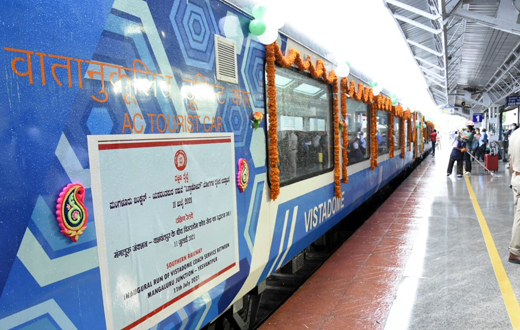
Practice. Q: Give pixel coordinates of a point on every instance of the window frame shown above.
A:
(330, 132)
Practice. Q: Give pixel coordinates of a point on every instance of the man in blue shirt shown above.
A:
(481, 151)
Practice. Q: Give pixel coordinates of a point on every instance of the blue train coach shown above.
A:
(162, 158)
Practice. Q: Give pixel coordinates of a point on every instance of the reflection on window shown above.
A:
(397, 133)
(308, 89)
(305, 144)
(382, 137)
(406, 130)
(281, 81)
(358, 131)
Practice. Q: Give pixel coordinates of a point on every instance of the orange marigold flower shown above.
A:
(258, 115)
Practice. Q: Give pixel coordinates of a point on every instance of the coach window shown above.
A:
(397, 133)
(382, 132)
(358, 136)
(305, 135)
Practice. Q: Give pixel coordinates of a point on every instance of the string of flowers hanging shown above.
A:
(423, 134)
(273, 52)
(414, 134)
(335, 112)
(391, 130)
(373, 139)
(274, 172)
(344, 91)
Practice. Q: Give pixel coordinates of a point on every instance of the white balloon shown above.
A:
(377, 90)
(270, 35)
(343, 69)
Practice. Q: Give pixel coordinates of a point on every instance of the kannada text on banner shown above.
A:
(169, 230)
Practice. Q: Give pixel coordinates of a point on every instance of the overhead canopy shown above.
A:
(467, 50)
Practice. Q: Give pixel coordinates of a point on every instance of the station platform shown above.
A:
(433, 256)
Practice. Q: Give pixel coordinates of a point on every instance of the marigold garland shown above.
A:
(344, 155)
(364, 94)
(352, 89)
(414, 135)
(274, 173)
(423, 134)
(273, 52)
(373, 139)
(391, 131)
(359, 94)
(335, 111)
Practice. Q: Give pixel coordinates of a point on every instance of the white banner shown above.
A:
(165, 219)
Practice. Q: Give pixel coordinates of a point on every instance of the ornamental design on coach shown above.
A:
(243, 174)
(71, 212)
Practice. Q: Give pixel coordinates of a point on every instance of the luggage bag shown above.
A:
(491, 162)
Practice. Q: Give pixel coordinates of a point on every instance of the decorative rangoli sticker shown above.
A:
(242, 175)
(71, 211)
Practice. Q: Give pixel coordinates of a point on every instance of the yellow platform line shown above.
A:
(513, 309)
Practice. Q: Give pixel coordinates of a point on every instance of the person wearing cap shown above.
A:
(457, 154)
(514, 167)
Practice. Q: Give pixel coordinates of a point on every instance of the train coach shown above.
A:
(160, 160)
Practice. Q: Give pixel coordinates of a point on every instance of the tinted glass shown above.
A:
(382, 132)
(358, 129)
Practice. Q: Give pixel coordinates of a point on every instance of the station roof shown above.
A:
(467, 50)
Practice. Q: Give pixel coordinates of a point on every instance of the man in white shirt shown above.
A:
(514, 166)
(293, 148)
(363, 143)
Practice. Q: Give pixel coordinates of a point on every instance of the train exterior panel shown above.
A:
(122, 97)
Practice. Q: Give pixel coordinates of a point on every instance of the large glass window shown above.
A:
(382, 132)
(305, 136)
(358, 131)
(397, 133)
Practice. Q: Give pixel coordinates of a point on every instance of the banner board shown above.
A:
(166, 221)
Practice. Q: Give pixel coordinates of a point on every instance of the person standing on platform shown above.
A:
(457, 154)
(469, 142)
(433, 137)
(475, 144)
(514, 166)
(482, 145)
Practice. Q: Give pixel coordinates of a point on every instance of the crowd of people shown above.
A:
(468, 144)
(471, 143)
